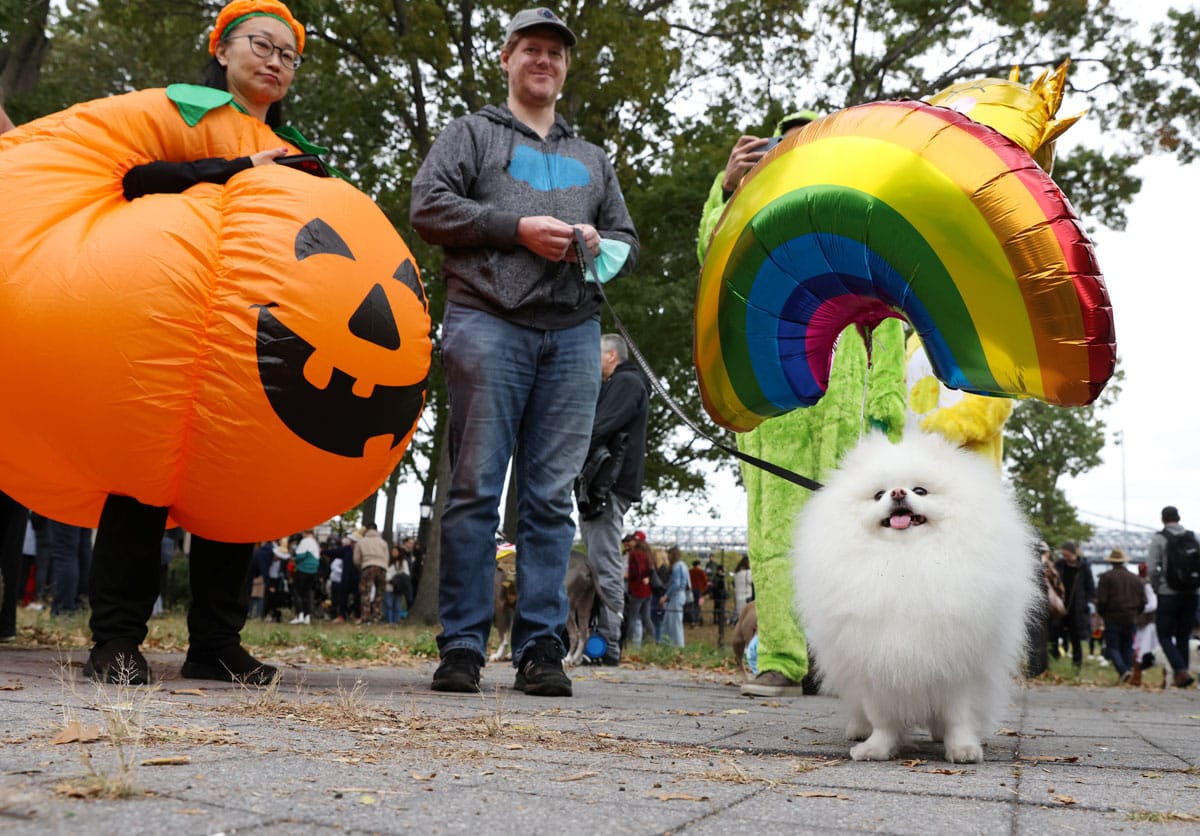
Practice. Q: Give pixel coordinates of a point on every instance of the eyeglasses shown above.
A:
(262, 47)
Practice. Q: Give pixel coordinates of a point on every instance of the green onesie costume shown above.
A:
(808, 441)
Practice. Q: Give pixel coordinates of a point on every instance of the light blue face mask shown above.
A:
(611, 259)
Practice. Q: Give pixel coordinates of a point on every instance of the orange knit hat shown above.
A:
(237, 11)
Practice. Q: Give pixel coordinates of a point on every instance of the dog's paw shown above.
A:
(964, 750)
(877, 747)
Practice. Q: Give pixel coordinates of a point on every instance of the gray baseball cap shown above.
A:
(541, 16)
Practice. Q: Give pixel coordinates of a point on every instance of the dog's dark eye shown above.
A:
(919, 491)
(878, 496)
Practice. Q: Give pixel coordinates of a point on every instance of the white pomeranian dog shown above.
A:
(914, 578)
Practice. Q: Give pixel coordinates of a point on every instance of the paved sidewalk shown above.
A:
(372, 750)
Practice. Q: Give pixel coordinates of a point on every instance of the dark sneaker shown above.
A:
(607, 660)
(117, 662)
(540, 673)
(232, 664)
(458, 672)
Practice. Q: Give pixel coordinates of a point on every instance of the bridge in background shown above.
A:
(702, 539)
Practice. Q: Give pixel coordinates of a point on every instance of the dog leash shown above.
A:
(589, 265)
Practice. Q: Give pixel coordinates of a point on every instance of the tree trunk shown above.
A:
(369, 507)
(21, 60)
(389, 512)
(425, 607)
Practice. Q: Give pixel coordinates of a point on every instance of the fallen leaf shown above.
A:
(736, 711)
(76, 733)
(942, 771)
(17, 687)
(1050, 758)
(1064, 799)
(838, 796)
(169, 760)
(1007, 733)
(598, 734)
(192, 811)
(578, 776)
(366, 799)
(912, 762)
(678, 796)
(1151, 775)
(519, 746)
(418, 777)
(190, 692)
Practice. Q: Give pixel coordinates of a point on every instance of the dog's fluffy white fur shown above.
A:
(914, 578)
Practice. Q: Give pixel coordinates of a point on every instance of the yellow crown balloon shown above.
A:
(1023, 113)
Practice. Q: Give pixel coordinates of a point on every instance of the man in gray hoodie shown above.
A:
(503, 191)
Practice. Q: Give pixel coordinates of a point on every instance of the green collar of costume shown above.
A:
(195, 101)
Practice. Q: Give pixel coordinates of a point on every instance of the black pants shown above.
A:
(13, 516)
(126, 576)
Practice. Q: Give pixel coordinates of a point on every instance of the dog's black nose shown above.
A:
(899, 493)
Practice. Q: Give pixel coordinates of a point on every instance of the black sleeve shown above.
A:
(172, 178)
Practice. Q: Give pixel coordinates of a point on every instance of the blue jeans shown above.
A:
(510, 385)
(71, 557)
(672, 629)
(1174, 620)
(1118, 642)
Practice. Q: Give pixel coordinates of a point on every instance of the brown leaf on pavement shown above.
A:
(168, 760)
(77, 733)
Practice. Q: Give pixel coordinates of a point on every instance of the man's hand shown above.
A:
(548, 237)
(591, 239)
(747, 151)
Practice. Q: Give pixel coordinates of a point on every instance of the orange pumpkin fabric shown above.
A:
(252, 356)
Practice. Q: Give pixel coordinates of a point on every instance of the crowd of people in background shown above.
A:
(355, 577)
(1131, 619)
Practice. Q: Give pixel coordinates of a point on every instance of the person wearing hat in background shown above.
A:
(1076, 575)
(504, 192)
(808, 441)
(1120, 599)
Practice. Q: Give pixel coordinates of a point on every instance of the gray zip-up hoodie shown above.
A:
(484, 173)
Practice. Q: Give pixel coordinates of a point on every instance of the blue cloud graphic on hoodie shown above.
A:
(547, 172)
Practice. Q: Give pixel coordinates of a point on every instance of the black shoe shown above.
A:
(608, 660)
(458, 672)
(540, 673)
(233, 664)
(117, 662)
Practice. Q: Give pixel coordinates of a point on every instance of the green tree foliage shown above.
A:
(664, 85)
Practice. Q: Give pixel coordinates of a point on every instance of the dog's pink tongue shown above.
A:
(900, 520)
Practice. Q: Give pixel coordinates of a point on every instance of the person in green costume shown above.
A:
(808, 441)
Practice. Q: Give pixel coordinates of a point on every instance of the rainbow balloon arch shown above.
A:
(899, 209)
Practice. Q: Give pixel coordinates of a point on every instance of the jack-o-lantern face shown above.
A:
(251, 356)
(334, 418)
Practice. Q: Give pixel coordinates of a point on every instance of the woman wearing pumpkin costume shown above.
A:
(256, 47)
